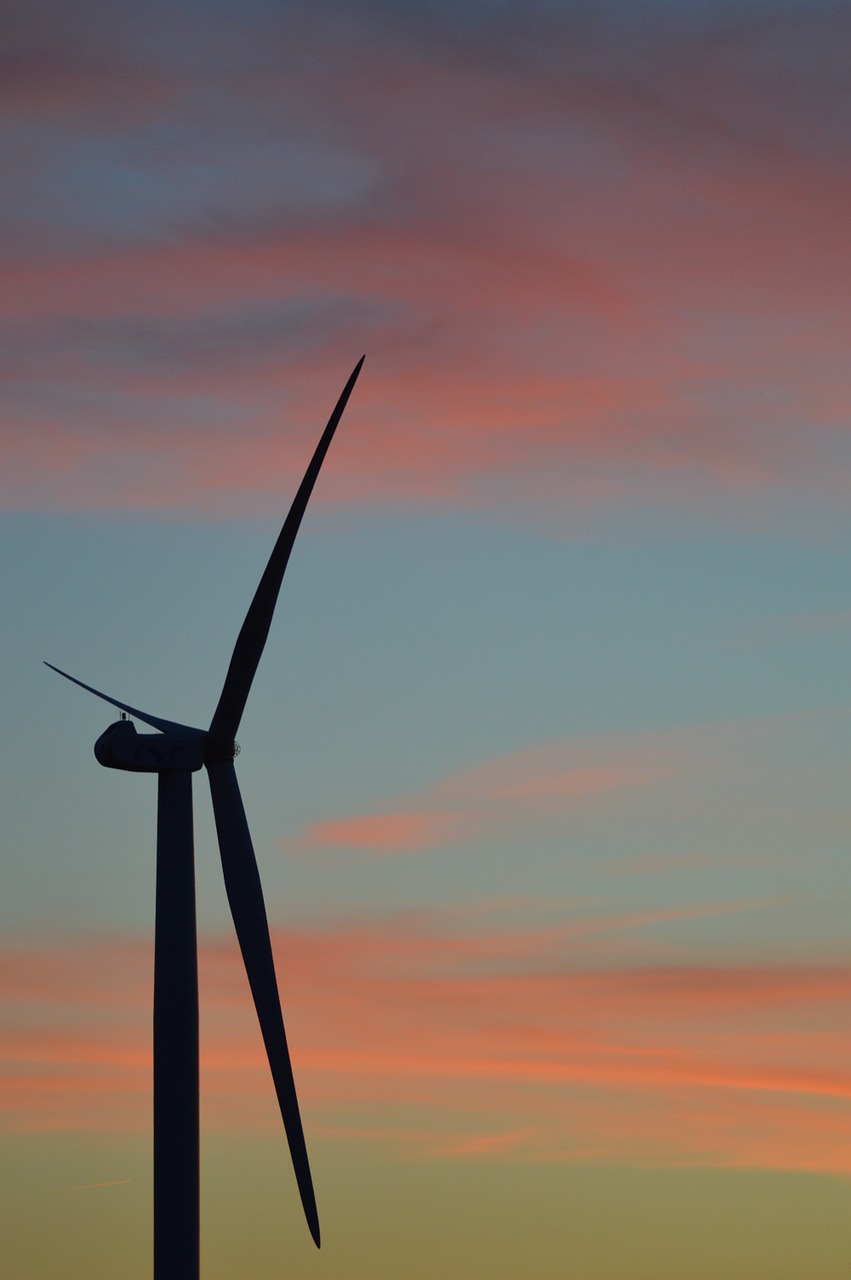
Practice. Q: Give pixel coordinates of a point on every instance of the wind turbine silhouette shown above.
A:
(174, 754)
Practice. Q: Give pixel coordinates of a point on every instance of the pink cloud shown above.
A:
(520, 787)
(551, 786)
(455, 407)
(728, 1065)
(575, 287)
(395, 832)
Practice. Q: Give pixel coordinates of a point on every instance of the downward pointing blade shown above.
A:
(156, 722)
(242, 883)
(255, 628)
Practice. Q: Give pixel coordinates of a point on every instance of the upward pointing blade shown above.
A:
(255, 628)
(242, 883)
(156, 722)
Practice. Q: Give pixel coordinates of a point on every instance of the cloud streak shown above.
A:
(521, 787)
(768, 783)
(410, 1017)
(580, 281)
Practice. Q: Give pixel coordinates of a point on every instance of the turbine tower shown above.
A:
(174, 754)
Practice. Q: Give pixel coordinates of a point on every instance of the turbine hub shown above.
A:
(216, 751)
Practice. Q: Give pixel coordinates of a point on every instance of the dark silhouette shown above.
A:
(175, 753)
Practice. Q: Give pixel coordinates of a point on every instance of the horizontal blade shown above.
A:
(255, 628)
(242, 883)
(165, 726)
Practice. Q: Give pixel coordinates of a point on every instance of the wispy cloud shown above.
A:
(580, 282)
(523, 786)
(398, 831)
(410, 1017)
(696, 769)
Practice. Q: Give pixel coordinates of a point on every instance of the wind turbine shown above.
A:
(174, 754)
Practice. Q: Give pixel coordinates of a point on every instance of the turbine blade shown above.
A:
(255, 628)
(165, 726)
(242, 883)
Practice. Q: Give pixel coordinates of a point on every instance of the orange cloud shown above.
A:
(535, 782)
(396, 832)
(459, 405)
(686, 768)
(577, 283)
(412, 1018)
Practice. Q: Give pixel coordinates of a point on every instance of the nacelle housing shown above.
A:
(121, 747)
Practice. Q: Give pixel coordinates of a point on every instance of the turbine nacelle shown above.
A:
(122, 747)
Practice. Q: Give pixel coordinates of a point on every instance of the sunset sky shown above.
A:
(547, 759)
